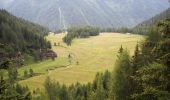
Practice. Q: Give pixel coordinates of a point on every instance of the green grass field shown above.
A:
(89, 56)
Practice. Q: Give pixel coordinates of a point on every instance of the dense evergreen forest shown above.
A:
(144, 76)
(80, 32)
(19, 38)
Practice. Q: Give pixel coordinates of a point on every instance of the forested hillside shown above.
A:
(19, 37)
(143, 27)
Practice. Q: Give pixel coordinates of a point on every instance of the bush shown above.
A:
(31, 72)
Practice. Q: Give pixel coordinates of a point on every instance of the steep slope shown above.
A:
(19, 36)
(143, 27)
(61, 14)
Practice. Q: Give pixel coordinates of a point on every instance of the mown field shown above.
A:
(88, 56)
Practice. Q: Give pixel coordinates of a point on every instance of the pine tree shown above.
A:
(107, 83)
(136, 59)
(120, 88)
(64, 94)
(121, 49)
(100, 93)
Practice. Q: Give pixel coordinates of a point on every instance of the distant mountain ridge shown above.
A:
(61, 14)
(144, 26)
(152, 21)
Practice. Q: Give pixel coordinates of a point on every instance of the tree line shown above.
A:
(80, 32)
(118, 30)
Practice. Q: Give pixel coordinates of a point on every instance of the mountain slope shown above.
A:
(144, 26)
(18, 35)
(61, 14)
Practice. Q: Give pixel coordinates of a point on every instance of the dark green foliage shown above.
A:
(101, 86)
(23, 91)
(80, 32)
(137, 59)
(55, 44)
(99, 90)
(121, 50)
(55, 91)
(153, 35)
(49, 87)
(31, 72)
(12, 74)
(158, 42)
(25, 73)
(118, 30)
(18, 35)
(10, 92)
(64, 94)
(10, 89)
(154, 81)
(4, 64)
(68, 39)
(163, 27)
(121, 81)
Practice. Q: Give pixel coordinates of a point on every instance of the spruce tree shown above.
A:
(100, 93)
(121, 49)
(120, 88)
(136, 59)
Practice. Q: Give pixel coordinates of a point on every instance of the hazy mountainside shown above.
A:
(61, 14)
(18, 35)
(144, 26)
(152, 21)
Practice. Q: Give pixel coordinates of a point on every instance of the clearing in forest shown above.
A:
(87, 57)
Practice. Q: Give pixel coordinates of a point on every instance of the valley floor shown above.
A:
(88, 56)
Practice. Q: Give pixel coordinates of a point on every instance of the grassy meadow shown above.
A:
(88, 56)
